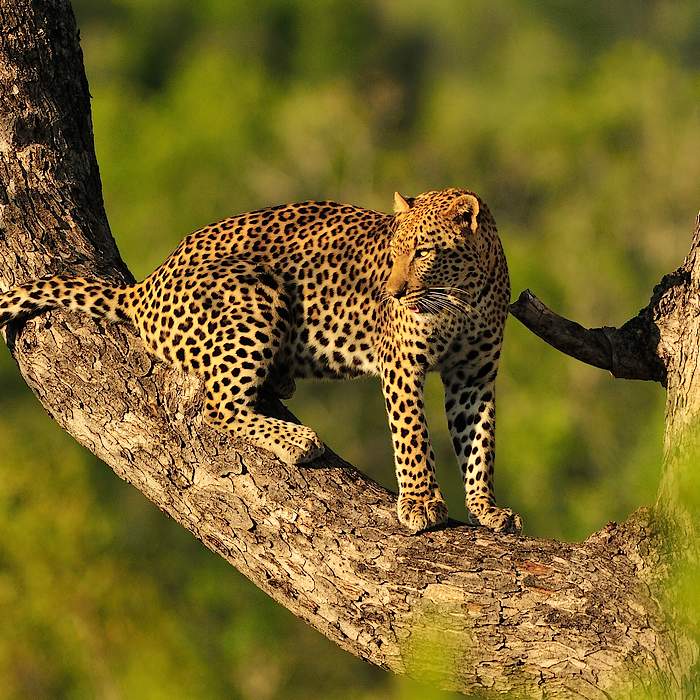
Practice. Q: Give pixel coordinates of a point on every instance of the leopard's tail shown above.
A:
(98, 299)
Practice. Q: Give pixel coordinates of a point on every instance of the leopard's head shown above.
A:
(440, 249)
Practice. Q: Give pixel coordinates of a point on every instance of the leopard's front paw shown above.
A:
(421, 513)
(498, 520)
(292, 443)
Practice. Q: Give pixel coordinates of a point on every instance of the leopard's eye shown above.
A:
(421, 253)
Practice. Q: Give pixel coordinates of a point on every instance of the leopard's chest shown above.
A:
(345, 336)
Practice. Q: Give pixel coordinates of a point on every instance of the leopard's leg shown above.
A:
(238, 322)
(470, 404)
(292, 443)
(279, 383)
(233, 383)
(420, 504)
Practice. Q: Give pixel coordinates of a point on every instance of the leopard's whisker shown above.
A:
(431, 306)
(455, 301)
(455, 293)
(438, 306)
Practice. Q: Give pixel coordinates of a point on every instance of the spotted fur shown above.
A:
(325, 290)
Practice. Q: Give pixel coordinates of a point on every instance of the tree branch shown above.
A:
(473, 610)
(628, 352)
(642, 348)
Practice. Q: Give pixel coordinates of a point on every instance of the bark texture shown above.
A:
(474, 611)
(675, 308)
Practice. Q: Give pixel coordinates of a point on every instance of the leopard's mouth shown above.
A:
(415, 304)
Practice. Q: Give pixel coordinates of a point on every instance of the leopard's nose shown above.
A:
(398, 279)
(398, 292)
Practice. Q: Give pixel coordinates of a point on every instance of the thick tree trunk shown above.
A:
(676, 305)
(472, 610)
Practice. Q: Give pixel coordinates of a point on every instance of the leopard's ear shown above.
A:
(401, 203)
(465, 212)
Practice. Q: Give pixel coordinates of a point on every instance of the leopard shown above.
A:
(324, 290)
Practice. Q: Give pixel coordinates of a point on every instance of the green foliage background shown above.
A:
(578, 122)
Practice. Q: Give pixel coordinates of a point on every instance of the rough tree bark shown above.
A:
(474, 611)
